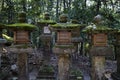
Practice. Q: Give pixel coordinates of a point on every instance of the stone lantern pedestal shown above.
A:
(22, 51)
(98, 54)
(63, 52)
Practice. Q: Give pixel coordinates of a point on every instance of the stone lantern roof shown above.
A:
(46, 19)
(21, 25)
(66, 26)
(63, 18)
(98, 26)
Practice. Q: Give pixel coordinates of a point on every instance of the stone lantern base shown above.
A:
(63, 52)
(98, 54)
(22, 51)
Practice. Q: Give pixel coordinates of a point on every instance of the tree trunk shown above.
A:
(98, 7)
(57, 7)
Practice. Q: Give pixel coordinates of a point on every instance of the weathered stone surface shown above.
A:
(101, 51)
(98, 66)
(63, 49)
(63, 67)
(20, 49)
(23, 66)
(46, 37)
(76, 39)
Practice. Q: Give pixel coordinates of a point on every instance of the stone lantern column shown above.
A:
(22, 46)
(116, 75)
(100, 48)
(64, 47)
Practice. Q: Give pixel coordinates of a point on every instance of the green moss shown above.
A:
(98, 29)
(66, 25)
(47, 68)
(47, 21)
(8, 38)
(23, 26)
(76, 72)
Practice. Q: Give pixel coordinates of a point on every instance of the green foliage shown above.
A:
(8, 38)
(47, 68)
(76, 72)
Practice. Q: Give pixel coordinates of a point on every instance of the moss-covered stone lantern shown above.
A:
(63, 47)
(21, 29)
(98, 34)
(46, 34)
(116, 75)
(22, 44)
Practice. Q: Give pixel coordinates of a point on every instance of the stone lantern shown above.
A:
(63, 47)
(100, 48)
(116, 75)
(21, 44)
(46, 34)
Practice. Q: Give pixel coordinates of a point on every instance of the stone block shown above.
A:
(101, 51)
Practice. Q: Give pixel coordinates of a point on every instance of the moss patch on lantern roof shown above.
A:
(24, 26)
(67, 25)
(47, 21)
(94, 29)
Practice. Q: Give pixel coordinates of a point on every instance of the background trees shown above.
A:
(83, 10)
